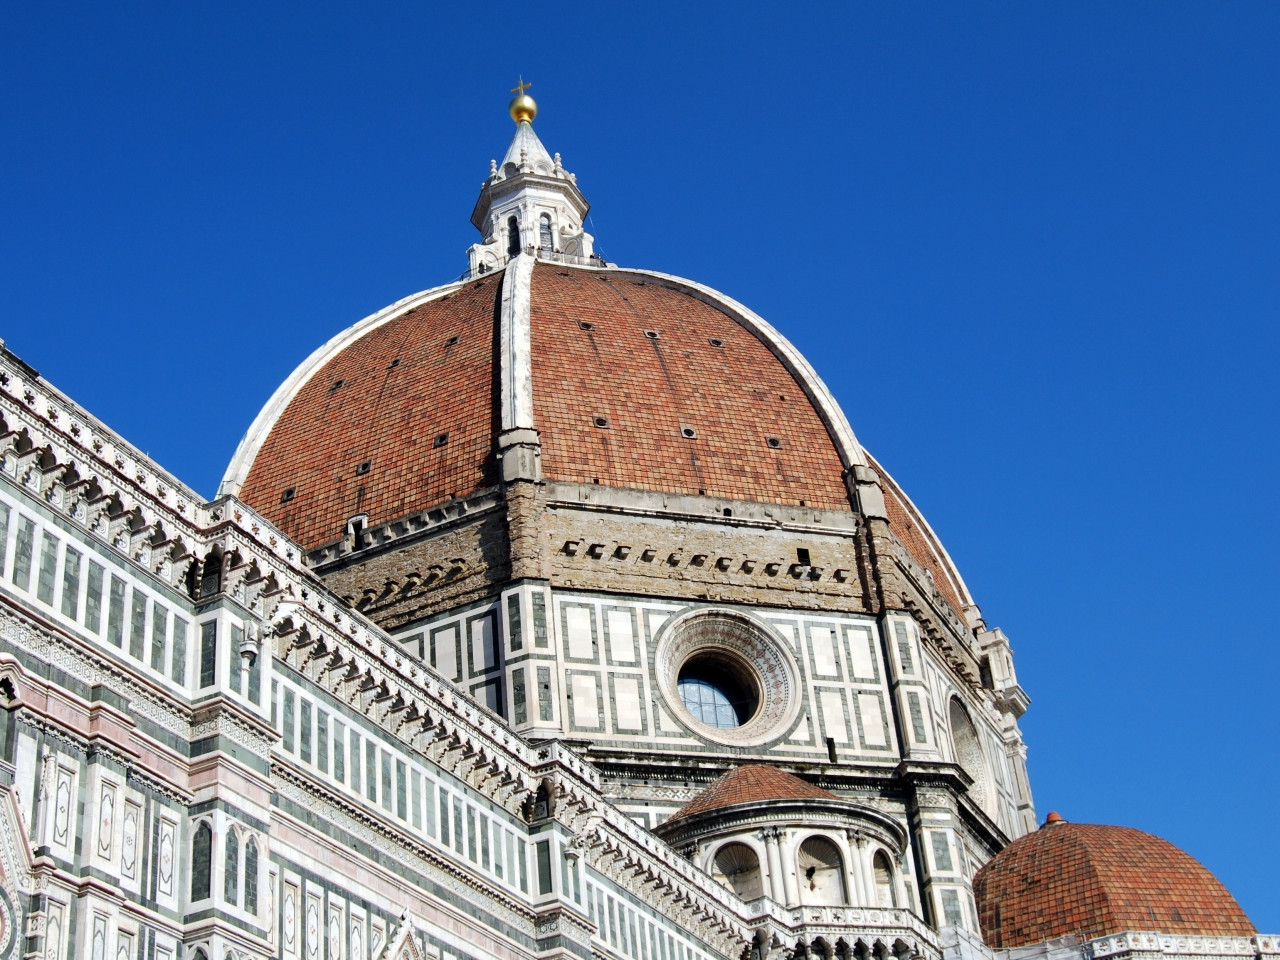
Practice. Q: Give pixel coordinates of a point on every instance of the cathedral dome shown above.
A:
(1095, 881)
(638, 381)
(617, 378)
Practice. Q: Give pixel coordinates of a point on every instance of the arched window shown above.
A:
(821, 870)
(513, 237)
(886, 895)
(251, 876)
(737, 867)
(211, 575)
(231, 870)
(968, 750)
(544, 233)
(201, 861)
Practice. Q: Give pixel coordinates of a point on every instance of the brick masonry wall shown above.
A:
(458, 566)
(701, 561)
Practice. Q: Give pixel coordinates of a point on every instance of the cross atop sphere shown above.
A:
(521, 87)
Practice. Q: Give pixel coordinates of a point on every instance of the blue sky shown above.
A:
(1033, 248)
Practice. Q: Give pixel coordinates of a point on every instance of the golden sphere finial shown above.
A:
(522, 107)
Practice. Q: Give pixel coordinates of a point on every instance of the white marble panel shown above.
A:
(872, 719)
(621, 637)
(823, 640)
(626, 704)
(861, 657)
(578, 621)
(583, 688)
(483, 649)
(831, 703)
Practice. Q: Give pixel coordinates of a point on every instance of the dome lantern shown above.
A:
(529, 204)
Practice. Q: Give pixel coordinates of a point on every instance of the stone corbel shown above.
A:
(864, 485)
(521, 455)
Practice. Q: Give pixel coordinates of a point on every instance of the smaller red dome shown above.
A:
(753, 783)
(1095, 881)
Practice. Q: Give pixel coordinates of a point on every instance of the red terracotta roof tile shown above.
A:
(754, 783)
(389, 416)
(1091, 880)
(734, 396)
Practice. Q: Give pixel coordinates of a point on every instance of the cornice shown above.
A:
(809, 812)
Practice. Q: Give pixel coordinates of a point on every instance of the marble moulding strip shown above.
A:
(836, 814)
(245, 453)
(808, 925)
(1138, 942)
(514, 336)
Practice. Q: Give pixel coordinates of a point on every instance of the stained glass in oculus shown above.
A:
(709, 704)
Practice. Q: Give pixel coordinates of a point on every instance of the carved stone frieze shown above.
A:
(91, 669)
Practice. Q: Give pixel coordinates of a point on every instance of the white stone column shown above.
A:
(856, 879)
(869, 873)
(788, 857)
(776, 888)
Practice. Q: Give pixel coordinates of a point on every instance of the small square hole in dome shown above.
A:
(715, 341)
(337, 385)
(440, 440)
(653, 334)
(601, 422)
(289, 494)
(586, 325)
(363, 467)
(451, 341)
(689, 433)
(774, 443)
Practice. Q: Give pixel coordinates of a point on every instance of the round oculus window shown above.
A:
(727, 677)
(717, 691)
